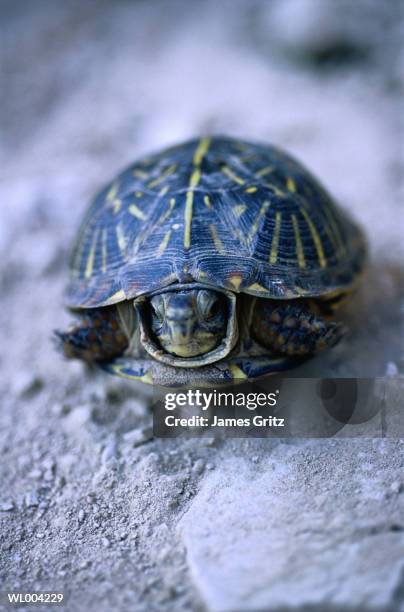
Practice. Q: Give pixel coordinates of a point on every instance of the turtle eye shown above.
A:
(157, 303)
(208, 304)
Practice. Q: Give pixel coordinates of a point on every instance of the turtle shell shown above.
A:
(228, 213)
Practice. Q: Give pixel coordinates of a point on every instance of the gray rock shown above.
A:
(391, 369)
(198, 466)
(31, 499)
(263, 540)
(6, 506)
(136, 437)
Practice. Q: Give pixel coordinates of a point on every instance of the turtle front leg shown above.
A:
(98, 336)
(293, 328)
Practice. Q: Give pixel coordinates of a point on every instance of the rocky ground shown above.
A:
(90, 503)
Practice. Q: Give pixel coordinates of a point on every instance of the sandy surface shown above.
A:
(88, 501)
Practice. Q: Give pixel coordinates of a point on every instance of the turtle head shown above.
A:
(189, 322)
(188, 325)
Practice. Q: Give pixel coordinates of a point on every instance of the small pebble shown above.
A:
(396, 487)
(40, 535)
(31, 500)
(391, 369)
(210, 466)
(7, 506)
(105, 542)
(81, 516)
(198, 466)
(138, 436)
(28, 384)
(49, 464)
(35, 474)
(110, 452)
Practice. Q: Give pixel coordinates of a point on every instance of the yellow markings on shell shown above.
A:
(291, 185)
(275, 238)
(201, 151)
(136, 212)
(237, 372)
(118, 369)
(112, 199)
(141, 174)
(257, 287)
(163, 190)
(255, 225)
(189, 203)
(112, 193)
(299, 245)
(316, 239)
(232, 175)
(170, 170)
(146, 378)
(171, 205)
(207, 201)
(235, 280)
(264, 171)
(138, 194)
(251, 189)
(164, 243)
(91, 255)
(239, 209)
(168, 212)
(278, 192)
(216, 239)
(116, 297)
(195, 178)
(120, 236)
(104, 251)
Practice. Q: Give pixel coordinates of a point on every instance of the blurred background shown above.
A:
(88, 86)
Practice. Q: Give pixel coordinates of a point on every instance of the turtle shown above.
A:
(212, 261)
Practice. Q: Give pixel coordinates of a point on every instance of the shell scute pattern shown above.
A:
(239, 215)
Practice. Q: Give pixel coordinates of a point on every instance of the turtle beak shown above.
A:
(181, 332)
